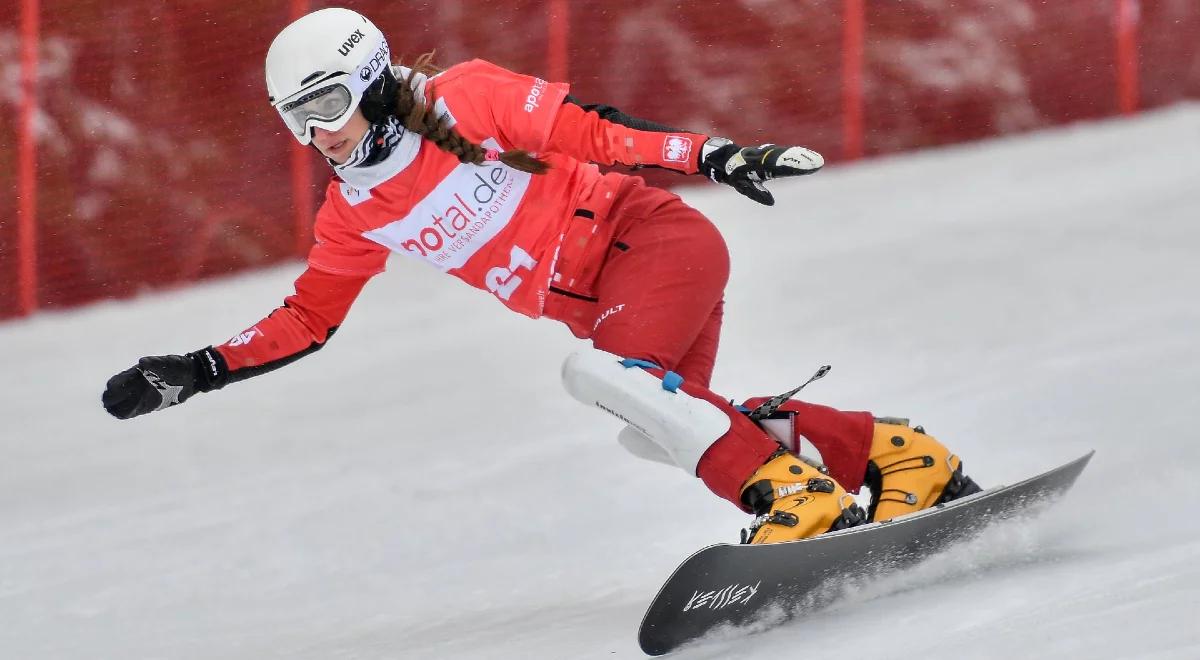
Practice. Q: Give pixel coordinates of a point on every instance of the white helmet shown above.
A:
(319, 67)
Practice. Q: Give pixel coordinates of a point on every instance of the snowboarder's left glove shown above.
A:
(747, 168)
(161, 381)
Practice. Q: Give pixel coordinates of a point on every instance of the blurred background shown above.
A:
(137, 149)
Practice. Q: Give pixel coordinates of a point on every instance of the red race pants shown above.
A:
(658, 295)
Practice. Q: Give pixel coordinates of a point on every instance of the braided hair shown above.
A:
(397, 98)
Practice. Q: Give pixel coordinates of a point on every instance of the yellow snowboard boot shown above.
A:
(908, 470)
(794, 500)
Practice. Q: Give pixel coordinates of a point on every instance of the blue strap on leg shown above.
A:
(670, 381)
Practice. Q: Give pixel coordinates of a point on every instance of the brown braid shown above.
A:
(414, 114)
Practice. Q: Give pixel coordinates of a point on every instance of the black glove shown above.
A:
(162, 381)
(747, 168)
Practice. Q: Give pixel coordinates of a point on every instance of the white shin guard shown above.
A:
(679, 428)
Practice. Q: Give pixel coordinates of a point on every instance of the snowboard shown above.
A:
(758, 586)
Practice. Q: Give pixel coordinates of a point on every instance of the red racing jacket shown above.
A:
(498, 229)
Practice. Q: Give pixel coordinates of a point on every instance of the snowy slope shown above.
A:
(423, 488)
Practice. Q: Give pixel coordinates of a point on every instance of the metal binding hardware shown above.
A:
(769, 406)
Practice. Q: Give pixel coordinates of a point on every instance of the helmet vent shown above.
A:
(311, 77)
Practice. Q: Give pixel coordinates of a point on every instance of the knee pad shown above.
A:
(681, 426)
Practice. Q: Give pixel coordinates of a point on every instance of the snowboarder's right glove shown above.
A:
(747, 168)
(162, 381)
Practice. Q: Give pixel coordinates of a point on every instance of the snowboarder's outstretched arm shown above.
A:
(339, 265)
(603, 134)
(301, 326)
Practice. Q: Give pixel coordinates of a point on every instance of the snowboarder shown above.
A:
(491, 176)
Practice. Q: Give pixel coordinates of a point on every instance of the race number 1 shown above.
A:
(504, 281)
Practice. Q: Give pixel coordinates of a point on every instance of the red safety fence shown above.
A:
(137, 148)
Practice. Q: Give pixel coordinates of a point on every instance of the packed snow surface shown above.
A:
(424, 488)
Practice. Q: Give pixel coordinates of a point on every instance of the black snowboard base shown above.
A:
(759, 586)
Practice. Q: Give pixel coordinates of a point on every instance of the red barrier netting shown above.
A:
(159, 160)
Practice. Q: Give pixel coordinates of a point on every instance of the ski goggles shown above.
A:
(327, 106)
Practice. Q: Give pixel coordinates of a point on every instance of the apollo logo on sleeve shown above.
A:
(535, 95)
(677, 149)
(466, 210)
